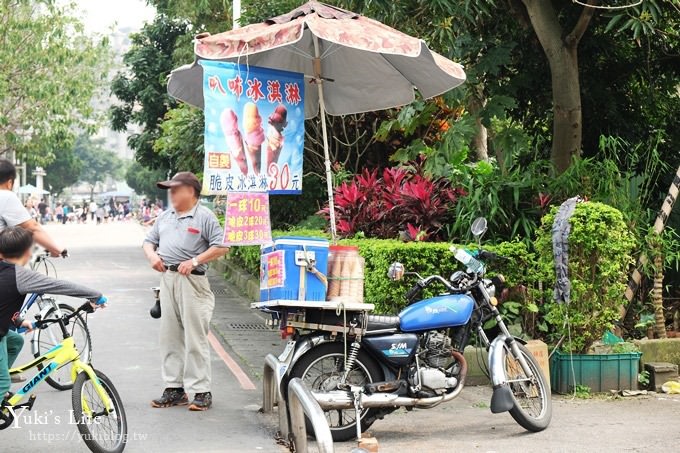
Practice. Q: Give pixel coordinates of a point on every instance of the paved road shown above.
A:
(125, 340)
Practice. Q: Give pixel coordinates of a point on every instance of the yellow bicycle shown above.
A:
(97, 408)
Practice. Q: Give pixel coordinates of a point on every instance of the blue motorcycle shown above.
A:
(415, 359)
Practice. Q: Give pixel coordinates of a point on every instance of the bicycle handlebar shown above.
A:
(24, 329)
(47, 254)
(86, 307)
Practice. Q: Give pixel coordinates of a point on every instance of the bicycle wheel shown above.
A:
(47, 338)
(101, 432)
(45, 267)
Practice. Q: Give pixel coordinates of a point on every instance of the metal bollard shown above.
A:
(302, 403)
(271, 392)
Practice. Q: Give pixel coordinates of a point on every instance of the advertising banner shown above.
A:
(247, 219)
(272, 270)
(254, 129)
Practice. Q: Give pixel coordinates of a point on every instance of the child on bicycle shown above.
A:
(16, 281)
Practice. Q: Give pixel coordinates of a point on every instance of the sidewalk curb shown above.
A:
(246, 283)
(240, 329)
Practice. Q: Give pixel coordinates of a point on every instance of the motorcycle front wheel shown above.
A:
(533, 404)
(321, 369)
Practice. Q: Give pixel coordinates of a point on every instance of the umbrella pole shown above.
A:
(324, 132)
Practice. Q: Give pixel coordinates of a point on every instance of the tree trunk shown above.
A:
(567, 126)
(657, 298)
(480, 140)
(561, 52)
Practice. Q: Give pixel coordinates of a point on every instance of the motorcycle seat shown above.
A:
(382, 322)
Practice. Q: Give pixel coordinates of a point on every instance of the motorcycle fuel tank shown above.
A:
(439, 312)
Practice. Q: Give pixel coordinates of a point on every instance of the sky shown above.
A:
(100, 15)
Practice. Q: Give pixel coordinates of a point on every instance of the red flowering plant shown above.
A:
(400, 203)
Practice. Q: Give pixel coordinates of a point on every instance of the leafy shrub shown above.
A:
(423, 257)
(289, 210)
(600, 246)
(398, 202)
(513, 195)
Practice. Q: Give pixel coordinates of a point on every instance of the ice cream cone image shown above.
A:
(229, 122)
(277, 122)
(252, 127)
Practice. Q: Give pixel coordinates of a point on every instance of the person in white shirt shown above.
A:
(93, 209)
(12, 213)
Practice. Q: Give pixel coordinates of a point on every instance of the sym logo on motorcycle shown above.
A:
(415, 358)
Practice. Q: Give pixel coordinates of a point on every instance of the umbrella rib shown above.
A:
(397, 69)
(297, 51)
(334, 47)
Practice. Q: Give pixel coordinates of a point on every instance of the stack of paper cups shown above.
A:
(345, 273)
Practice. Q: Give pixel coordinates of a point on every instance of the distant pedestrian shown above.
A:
(181, 242)
(100, 213)
(42, 211)
(83, 214)
(92, 209)
(119, 211)
(59, 211)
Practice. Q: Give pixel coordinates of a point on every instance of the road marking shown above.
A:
(240, 375)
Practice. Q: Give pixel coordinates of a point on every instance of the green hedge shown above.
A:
(423, 257)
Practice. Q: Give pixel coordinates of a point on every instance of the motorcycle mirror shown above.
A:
(396, 271)
(479, 227)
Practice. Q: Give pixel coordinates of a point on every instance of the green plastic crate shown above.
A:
(600, 372)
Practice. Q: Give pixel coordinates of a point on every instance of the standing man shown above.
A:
(181, 242)
(12, 213)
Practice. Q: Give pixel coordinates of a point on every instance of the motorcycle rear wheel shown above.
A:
(321, 368)
(533, 403)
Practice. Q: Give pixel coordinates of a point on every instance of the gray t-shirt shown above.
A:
(12, 213)
(181, 238)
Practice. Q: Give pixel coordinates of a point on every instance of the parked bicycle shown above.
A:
(97, 406)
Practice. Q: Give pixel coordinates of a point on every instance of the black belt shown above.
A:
(174, 267)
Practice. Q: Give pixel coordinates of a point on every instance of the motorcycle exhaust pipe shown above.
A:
(339, 399)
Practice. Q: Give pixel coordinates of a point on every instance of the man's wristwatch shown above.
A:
(194, 262)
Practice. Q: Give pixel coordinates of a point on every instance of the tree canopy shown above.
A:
(141, 89)
(97, 162)
(49, 71)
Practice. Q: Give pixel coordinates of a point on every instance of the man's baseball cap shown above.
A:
(183, 178)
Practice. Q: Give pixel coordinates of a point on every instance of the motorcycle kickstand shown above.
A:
(357, 392)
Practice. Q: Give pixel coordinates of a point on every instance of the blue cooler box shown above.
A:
(283, 275)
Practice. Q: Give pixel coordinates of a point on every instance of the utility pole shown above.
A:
(236, 13)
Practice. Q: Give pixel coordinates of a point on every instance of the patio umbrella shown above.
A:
(357, 64)
(31, 189)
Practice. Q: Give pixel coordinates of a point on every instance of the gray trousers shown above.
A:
(186, 305)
